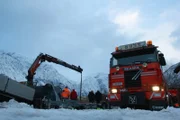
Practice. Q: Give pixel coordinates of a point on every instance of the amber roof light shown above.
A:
(149, 42)
(116, 48)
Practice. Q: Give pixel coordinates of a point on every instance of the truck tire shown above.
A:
(170, 101)
(104, 105)
(37, 103)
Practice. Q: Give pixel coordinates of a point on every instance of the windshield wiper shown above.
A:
(139, 62)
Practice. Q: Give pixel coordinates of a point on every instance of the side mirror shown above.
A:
(162, 60)
(111, 62)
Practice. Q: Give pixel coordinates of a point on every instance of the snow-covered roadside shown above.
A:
(20, 111)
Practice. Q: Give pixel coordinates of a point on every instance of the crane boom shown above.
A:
(45, 57)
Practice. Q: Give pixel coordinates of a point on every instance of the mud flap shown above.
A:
(157, 105)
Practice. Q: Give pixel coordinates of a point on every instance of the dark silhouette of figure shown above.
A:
(91, 96)
(98, 96)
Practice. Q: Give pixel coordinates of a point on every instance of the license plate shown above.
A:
(112, 97)
(132, 99)
(157, 95)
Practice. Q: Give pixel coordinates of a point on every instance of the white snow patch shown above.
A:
(21, 111)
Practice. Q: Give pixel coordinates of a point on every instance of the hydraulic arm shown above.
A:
(45, 57)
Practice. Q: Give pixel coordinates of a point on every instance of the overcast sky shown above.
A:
(84, 32)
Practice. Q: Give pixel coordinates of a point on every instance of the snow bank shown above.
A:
(21, 111)
(14, 104)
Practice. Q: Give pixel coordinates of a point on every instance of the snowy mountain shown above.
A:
(16, 67)
(96, 82)
(172, 79)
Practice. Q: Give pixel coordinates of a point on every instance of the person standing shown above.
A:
(91, 96)
(98, 96)
(73, 95)
(65, 93)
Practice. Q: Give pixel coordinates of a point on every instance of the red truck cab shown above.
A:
(136, 78)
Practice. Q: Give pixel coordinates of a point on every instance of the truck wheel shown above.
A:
(104, 105)
(109, 106)
(170, 101)
(37, 103)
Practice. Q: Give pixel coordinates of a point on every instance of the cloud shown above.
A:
(84, 32)
(132, 23)
(127, 20)
(78, 32)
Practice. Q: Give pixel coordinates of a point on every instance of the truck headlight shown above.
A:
(114, 90)
(155, 88)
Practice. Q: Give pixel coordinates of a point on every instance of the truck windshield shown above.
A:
(133, 57)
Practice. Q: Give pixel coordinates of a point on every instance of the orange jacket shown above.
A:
(66, 93)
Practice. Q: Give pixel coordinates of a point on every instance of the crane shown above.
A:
(45, 57)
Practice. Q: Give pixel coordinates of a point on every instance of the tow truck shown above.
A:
(38, 96)
(41, 97)
(136, 77)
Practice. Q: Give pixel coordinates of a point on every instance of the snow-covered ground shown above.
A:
(20, 111)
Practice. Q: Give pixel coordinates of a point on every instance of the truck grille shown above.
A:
(129, 81)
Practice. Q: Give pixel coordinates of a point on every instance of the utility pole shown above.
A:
(81, 87)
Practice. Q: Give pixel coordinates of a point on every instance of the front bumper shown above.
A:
(135, 99)
(127, 99)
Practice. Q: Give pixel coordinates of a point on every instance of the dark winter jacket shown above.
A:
(91, 96)
(73, 95)
(98, 97)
